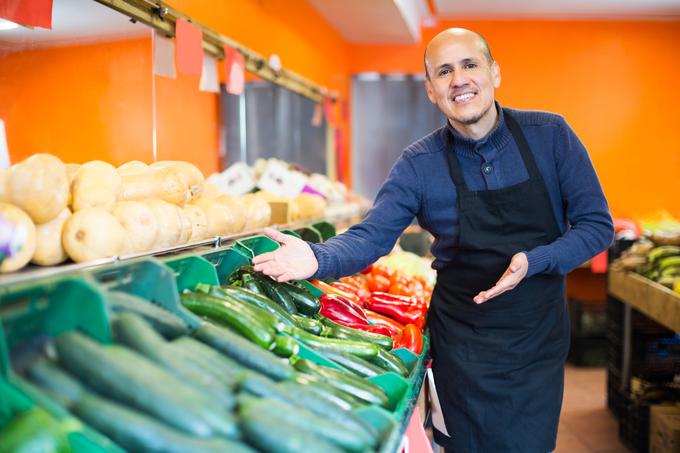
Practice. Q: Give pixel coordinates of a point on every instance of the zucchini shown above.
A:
(303, 396)
(389, 362)
(249, 283)
(274, 292)
(136, 431)
(31, 431)
(284, 346)
(348, 439)
(322, 344)
(132, 379)
(207, 359)
(252, 299)
(132, 331)
(55, 381)
(244, 352)
(355, 386)
(310, 325)
(335, 330)
(225, 313)
(169, 325)
(328, 393)
(355, 364)
(304, 302)
(272, 433)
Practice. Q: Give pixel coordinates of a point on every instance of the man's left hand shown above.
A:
(519, 265)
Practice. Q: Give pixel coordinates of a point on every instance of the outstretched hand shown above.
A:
(294, 260)
(519, 265)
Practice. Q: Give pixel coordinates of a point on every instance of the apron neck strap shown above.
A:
(520, 140)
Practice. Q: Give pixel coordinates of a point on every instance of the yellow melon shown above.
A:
(140, 224)
(39, 186)
(96, 184)
(92, 234)
(134, 167)
(192, 175)
(170, 222)
(49, 249)
(199, 222)
(21, 237)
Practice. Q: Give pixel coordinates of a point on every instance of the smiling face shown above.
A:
(461, 80)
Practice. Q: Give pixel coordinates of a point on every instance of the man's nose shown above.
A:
(458, 79)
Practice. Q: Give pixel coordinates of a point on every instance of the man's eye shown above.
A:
(471, 66)
(443, 72)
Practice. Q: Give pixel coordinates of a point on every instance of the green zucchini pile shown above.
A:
(235, 383)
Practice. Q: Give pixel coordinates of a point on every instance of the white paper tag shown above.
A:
(4, 150)
(436, 411)
(163, 55)
(235, 180)
(209, 79)
(277, 179)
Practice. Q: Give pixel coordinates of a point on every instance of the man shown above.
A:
(514, 203)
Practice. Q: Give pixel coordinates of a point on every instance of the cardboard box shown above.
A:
(664, 429)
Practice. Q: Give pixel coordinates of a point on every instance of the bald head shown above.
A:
(457, 34)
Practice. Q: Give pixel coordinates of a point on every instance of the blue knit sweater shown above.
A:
(419, 186)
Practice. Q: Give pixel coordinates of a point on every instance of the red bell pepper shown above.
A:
(361, 293)
(410, 338)
(341, 310)
(377, 319)
(403, 309)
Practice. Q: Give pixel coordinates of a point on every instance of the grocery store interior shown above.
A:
(151, 150)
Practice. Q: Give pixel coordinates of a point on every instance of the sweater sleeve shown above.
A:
(397, 203)
(591, 229)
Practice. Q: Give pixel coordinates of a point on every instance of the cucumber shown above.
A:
(274, 292)
(389, 362)
(169, 325)
(328, 393)
(244, 352)
(303, 300)
(249, 283)
(208, 360)
(238, 304)
(306, 398)
(134, 332)
(335, 330)
(310, 325)
(355, 386)
(134, 380)
(52, 379)
(322, 344)
(284, 346)
(31, 431)
(250, 298)
(348, 439)
(136, 431)
(355, 364)
(272, 433)
(225, 313)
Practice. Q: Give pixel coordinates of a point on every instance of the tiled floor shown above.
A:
(586, 425)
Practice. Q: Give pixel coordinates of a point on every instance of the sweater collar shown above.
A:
(498, 137)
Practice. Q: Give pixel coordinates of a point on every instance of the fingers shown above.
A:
(263, 258)
(285, 277)
(276, 235)
(271, 268)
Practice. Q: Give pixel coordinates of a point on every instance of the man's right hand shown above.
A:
(294, 260)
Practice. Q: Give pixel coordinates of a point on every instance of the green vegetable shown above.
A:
(228, 314)
(134, 380)
(304, 301)
(322, 344)
(252, 299)
(356, 386)
(310, 325)
(207, 359)
(136, 431)
(275, 293)
(284, 346)
(33, 431)
(354, 364)
(244, 352)
(249, 283)
(169, 325)
(335, 330)
(389, 362)
(323, 391)
(55, 381)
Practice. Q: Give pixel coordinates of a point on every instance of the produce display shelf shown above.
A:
(36, 272)
(654, 300)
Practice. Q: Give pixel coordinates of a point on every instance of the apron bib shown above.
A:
(498, 367)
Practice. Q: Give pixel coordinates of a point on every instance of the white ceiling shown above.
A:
(590, 9)
(75, 21)
(398, 21)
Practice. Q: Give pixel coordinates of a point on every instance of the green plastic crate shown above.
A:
(309, 234)
(326, 229)
(147, 278)
(255, 245)
(225, 261)
(192, 270)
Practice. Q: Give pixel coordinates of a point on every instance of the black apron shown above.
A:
(499, 366)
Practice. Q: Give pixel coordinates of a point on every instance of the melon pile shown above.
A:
(56, 211)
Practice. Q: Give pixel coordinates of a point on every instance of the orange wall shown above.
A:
(94, 101)
(615, 82)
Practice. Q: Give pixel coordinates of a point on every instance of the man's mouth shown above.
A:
(464, 98)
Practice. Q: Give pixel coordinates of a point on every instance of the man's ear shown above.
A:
(430, 91)
(496, 74)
